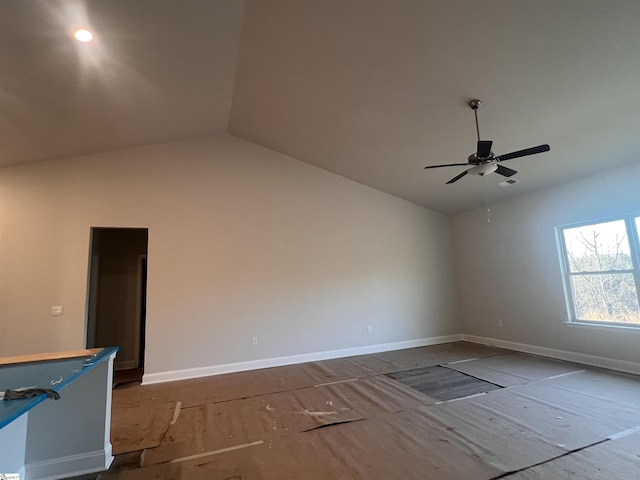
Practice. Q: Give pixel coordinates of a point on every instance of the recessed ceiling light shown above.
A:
(83, 35)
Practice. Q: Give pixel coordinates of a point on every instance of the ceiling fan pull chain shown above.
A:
(486, 198)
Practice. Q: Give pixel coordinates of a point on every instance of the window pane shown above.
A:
(606, 297)
(597, 248)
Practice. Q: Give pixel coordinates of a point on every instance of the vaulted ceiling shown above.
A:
(373, 90)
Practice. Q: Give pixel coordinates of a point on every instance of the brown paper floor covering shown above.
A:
(612, 460)
(514, 368)
(350, 419)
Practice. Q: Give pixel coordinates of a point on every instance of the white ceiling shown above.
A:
(158, 71)
(373, 90)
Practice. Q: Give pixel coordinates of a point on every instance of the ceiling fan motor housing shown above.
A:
(475, 160)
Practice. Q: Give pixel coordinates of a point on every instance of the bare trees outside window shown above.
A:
(602, 272)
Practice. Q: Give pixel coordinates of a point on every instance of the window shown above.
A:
(601, 270)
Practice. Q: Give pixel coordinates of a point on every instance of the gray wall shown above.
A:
(509, 269)
(243, 242)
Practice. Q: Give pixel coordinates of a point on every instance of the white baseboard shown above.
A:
(593, 360)
(70, 466)
(186, 373)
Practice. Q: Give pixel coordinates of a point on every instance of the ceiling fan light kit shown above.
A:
(485, 169)
(484, 161)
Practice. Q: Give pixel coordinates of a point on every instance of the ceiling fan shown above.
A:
(484, 161)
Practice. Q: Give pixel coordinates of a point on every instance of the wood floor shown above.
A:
(445, 412)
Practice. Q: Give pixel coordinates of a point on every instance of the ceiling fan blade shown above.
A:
(504, 171)
(484, 148)
(523, 153)
(455, 179)
(448, 165)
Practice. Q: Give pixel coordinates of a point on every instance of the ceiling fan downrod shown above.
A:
(475, 104)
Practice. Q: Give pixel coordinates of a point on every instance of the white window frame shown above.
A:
(634, 246)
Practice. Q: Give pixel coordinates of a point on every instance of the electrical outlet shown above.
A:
(254, 341)
(369, 329)
(500, 322)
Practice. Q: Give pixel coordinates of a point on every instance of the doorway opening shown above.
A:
(117, 297)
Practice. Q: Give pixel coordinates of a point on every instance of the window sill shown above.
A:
(605, 326)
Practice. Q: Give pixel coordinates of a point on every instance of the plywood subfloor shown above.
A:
(351, 419)
(443, 383)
